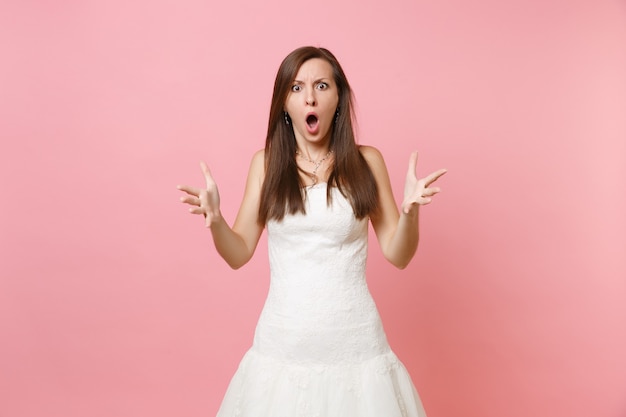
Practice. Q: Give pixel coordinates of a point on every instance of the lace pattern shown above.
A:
(319, 348)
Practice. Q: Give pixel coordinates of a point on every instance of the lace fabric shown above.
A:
(319, 348)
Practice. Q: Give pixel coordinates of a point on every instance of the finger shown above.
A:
(428, 192)
(195, 201)
(412, 163)
(420, 201)
(197, 210)
(189, 190)
(434, 176)
(207, 174)
(424, 200)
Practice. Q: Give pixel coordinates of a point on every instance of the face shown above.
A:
(312, 101)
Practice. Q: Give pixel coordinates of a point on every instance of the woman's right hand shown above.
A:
(203, 201)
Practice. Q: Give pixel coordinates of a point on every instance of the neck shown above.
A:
(321, 156)
(313, 153)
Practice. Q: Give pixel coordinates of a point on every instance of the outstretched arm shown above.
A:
(237, 244)
(398, 232)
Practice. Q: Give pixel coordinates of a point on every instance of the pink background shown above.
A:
(113, 301)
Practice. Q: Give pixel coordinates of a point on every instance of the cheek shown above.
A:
(332, 107)
(334, 103)
(289, 104)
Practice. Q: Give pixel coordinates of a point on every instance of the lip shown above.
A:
(312, 129)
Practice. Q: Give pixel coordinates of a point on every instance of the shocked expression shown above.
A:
(312, 101)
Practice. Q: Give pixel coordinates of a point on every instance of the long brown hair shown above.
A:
(283, 189)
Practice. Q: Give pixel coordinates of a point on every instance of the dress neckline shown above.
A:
(316, 185)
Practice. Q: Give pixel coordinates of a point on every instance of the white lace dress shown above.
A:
(319, 348)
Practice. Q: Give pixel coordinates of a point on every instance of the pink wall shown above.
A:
(113, 301)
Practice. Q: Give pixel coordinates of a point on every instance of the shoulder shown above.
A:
(369, 152)
(258, 161)
(258, 156)
(257, 166)
(373, 157)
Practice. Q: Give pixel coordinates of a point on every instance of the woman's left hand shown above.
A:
(418, 191)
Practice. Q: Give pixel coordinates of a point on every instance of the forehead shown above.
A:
(314, 69)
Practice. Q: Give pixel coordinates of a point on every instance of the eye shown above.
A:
(295, 88)
(322, 86)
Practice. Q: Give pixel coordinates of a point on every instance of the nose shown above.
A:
(310, 99)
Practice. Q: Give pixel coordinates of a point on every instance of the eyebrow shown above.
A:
(315, 82)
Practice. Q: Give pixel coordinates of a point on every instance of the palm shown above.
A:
(205, 201)
(418, 191)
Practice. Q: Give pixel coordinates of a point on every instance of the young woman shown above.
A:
(319, 348)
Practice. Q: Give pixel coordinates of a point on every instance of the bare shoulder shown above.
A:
(370, 153)
(374, 159)
(257, 165)
(259, 156)
(256, 173)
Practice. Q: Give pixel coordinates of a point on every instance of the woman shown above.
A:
(319, 347)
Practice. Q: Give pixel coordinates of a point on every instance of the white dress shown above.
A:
(319, 348)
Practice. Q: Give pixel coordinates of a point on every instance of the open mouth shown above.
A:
(311, 121)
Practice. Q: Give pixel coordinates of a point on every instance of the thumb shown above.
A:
(412, 163)
(207, 173)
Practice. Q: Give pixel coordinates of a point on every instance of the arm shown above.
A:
(237, 244)
(398, 232)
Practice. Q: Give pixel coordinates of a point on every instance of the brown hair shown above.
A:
(283, 190)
